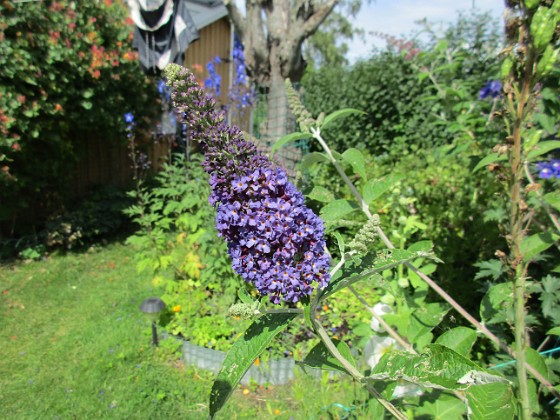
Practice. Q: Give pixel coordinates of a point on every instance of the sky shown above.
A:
(397, 17)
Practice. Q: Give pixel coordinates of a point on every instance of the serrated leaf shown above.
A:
(375, 188)
(553, 331)
(321, 194)
(288, 138)
(312, 158)
(437, 367)
(490, 268)
(339, 114)
(542, 148)
(370, 265)
(242, 355)
(491, 158)
(336, 210)
(535, 244)
(320, 357)
(460, 339)
(356, 159)
(490, 402)
(553, 199)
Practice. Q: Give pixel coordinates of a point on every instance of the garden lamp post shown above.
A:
(152, 308)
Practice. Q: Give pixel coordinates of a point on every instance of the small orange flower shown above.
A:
(176, 308)
(58, 107)
(257, 362)
(96, 74)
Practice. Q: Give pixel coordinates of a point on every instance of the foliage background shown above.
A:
(68, 71)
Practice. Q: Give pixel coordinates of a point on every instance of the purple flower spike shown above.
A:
(274, 240)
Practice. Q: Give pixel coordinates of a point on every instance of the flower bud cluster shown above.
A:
(365, 236)
(303, 117)
(274, 240)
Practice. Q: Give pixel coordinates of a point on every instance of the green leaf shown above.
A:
(336, 210)
(497, 304)
(445, 407)
(244, 296)
(86, 105)
(340, 241)
(370, 265)
(535, 244)
(355, 158)
(554, 331)
(242, 355)
(542, 148)
(460, 339)
(375, 188)
(321, 194)
(339, 114)
(490, 268)
(421, 246)
(553, 199)
(491, 158)
(288, 138)
(88, 93)
(437, 367)
(534, 359)
(320, 357)
(491, 401)
(312, 158)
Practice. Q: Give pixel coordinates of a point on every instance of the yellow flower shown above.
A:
(276, 411)
(176, 308)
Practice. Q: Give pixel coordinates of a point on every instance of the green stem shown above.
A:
(352, 371)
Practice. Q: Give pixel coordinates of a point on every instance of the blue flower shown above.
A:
(492, 89)
(129, 118)
(275, 241)
(549, 169)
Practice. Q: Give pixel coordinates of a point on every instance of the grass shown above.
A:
(75, 345)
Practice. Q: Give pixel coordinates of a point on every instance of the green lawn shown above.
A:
(73, 344)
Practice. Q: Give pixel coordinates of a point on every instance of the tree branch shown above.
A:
(310, 25)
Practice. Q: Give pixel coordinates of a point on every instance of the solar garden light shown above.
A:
(152, 308)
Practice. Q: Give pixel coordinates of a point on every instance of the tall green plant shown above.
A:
(531, 54)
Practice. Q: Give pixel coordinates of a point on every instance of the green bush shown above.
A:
(68, 71)
(412, 101)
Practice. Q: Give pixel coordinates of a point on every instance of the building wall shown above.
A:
(215, 41)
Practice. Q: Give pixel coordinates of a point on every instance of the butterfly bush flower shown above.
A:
(275, 241)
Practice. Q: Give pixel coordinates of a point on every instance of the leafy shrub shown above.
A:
(68, 69)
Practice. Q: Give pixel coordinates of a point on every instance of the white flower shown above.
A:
(380, 309)
(376, 347)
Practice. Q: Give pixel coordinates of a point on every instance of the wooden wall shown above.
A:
(215, 41)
